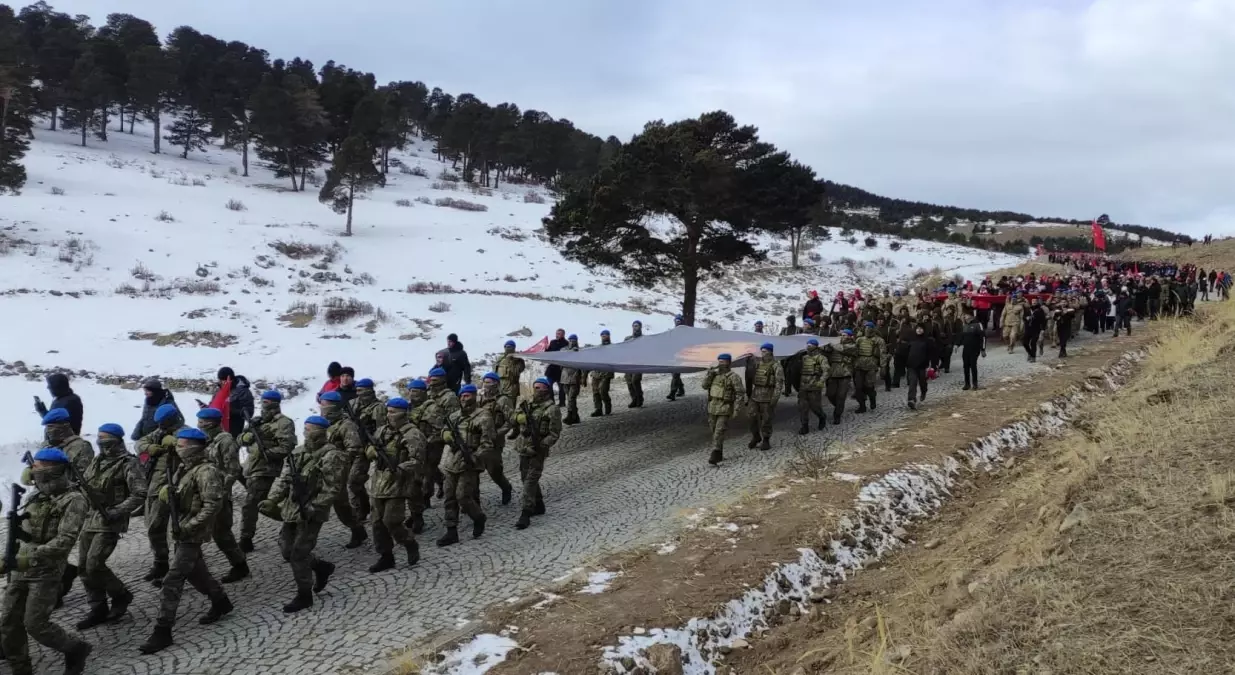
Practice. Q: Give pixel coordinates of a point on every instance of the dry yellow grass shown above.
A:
(1220, 254)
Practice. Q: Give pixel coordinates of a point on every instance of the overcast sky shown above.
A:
(1053, 107)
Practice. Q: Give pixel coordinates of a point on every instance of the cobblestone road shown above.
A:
(610, 484)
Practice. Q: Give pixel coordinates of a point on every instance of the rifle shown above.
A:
(173, 500)
(200, 403)
(16, 534)
(80, 483)
(257, 438)
(300, 491)
(533, 430)
(383, 460)
(460, 442)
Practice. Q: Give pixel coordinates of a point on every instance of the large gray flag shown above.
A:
(684, 349)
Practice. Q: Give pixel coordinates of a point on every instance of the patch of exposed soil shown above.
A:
(187, 338)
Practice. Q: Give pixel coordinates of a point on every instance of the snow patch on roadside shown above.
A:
(598, 582)
(475, 657)
(875, 526)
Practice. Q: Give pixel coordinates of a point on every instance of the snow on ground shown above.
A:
(121, 262)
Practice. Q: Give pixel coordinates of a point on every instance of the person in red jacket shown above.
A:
(334, 371)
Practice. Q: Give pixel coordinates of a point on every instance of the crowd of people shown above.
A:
(378, 463)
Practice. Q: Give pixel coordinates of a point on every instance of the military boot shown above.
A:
(97, 616)
(525, 519)
(716, 457)
(75, 661)
(236, 573)
(321, 575)
(478, 526)
(673, 395)
(415, 523)
(608, 408)
(836, 418)
(246, 544)
(385, 562)
(219, 608)
(120, 606)
(754, 441)
(766, 444)
(159, 640)
(451, 537)
(539, 509)
(823, 422)
(359, 536)
(804, 430)
(861, 407)
(413, 552)
(507, 493)
(597, 413)
(157, 571)
(303, 600)
(872, 398)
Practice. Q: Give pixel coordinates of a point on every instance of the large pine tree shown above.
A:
(16, 101)
(85, 93)
(190, 130)
(351, 173)
(289, 125)
(152, 81)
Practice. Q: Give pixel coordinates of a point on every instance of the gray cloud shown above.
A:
(1055, 107)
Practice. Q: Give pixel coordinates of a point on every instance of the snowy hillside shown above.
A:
(127, 264)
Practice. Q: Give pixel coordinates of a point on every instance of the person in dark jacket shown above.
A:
(553, 372)
(1064, 316)
(1123, 315)
(333, 372)
(1035, 323)
(458, 367)
(347, 384)
(156, 396)
(918, 354)
(240, 404)
(813, 307)
(62, 397)
(973, 345)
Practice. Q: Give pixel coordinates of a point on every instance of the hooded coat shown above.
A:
(146, 424)
(63, 397)
(458, 367)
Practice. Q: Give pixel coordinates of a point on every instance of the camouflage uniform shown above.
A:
(766, 384)
(725, 394)
(278, 435)
(441, 402)
(502, 411)
(224, 454)
(114, 478)
(416, 502)
(404, 446)
(601, 404)
(369, 411)
(866, 363)
(80, 452)
(546, 418)
(1011, 322)
(462, 478)
(344, 435)
(199, 496)
(158, 445)
(634, 381)
(572, 379)
(840, 372)
(509, 368)
(323, 471)
(54, 517)
(810, 392)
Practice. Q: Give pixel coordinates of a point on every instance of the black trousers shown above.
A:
(916, 380)
(969, 362)
(1030, 342)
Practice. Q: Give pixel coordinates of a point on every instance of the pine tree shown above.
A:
(85, 92)
(57, 41)
(289, 125)
(151, 82)
(190, 130)
(16, 101)
(351, 173)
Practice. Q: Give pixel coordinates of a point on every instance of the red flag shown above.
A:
(538, 347)
(1099, 237)
(220, 403)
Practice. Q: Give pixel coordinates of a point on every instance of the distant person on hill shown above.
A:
(62, 397)
(333, 371)
(458, 367)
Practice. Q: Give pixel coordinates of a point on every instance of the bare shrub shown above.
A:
(165, 217)
(338, 310)
(198, 287)
(178, 180)
(260, 281)
(364, 279)
(332, 253)
(403, 202)
(313, 179)
(481, 190)
(533, 197)
(300, 288)
(198, 182)
(302, 307)
(814, 257)
(59, 192)
(460, 204)
(298, 250)
(233, 171)
(235, 205)
(871, 242)
(440, 307)
(438, 185)
(127, 289)
(115, 162)
(510, 278)
(809, 461)
(140, 271)
(448, 176)
(895, 246)
(429, 288)
(852, 240)
(424, 200)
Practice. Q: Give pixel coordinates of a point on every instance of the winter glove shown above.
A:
(247, 438)
(308, 512)
(269, 509)
(164, 494)
(23, 558)
(448, 436)
(371, 453)
(26, 477)
(521, 419)
(514, 433)
(113, 515)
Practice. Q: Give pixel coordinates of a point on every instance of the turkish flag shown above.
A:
(538, 347)
(219, 402)
(1099, 237)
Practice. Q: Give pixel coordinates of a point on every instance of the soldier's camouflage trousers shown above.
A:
(886, 373)
(187, 564)
(863, 386)
(26, 611)
(761, 421)
(388, 526)
(600, 393)
(1012, 335)
(357, 480)
(93, 551)
(431, 475)
(676, 388)
(223, 536)
(572, 399)
(343, 501)
(720, 426)
(837, 391)
(809, 402)
(296, 544)
(634, 387)
(156, 528)
(496, 468)
(257, 490)
(459, 489)
(530, 470)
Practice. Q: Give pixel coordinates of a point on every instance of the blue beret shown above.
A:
(636, 322)
(510, 343)
(467, 389)
(400, 403)
(51, 455)
(193, 435)
(572, 336)
(808, 321)
(332, 396)
(869, 324)
(437, 372)
(209, 414)
(604, 332)
(846, 331)
(56, 415)
(768, 346)
(758, 323)
(272, 395)
(317, 421)
(492, 376)
(165, 411)
(724, 357)
(813, 342)
(417, 384)
(543, 380)
(364, 382)
(113, 429)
